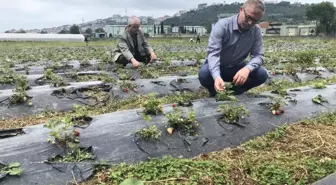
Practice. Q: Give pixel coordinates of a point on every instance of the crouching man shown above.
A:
(231, 41)
(132, 46)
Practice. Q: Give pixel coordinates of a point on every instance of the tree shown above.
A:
(324, 15)
(284, 3)
(154, 29)
(162, 29)
(44, 32)
(64, 31)
(99, 30)
(74, 29)
(181, 29)
(88, 31)
(20, 31)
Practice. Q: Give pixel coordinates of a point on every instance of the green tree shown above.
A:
(64, 31)
(74, 29)
(284, 3)
(99, 30)
(20, 31)
(162, 29)
(88, 31)
(324, 15)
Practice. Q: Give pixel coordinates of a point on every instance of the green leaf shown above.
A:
(316, 100)
(14, 165)
(15, 171)
(132, 181)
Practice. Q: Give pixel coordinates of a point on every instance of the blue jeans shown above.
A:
(255, 78)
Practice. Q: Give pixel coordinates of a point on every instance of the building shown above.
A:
(113, 30)
(225, 15)
(199, 29)
(201, 6)
(278, 29)
(143, 19)
(271, 2)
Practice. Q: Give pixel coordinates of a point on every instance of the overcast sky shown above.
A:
(29, 14)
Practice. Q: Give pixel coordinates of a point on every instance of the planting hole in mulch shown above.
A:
(91, 95)
(74, 155)
(82, 121)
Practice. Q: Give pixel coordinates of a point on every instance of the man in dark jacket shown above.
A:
(132, 46)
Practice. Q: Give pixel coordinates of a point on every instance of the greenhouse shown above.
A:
(41, 37)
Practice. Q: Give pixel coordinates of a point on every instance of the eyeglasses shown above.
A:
(249, 18)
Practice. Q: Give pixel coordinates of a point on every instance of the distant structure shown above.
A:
(41, 37)
(278, 29)
(271, 2)
(201, 6)
(155, 30)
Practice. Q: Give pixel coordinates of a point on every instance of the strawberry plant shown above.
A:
(75, 155)
(60, 132)
(278, 87)
(319, 85)
(184, 121)
(146, 72)
(57, 81)
(85, 63)
(231, 113)
(13, 169)
(73, 75)
(184, 99)
(124, 74)
(153, 105)
(7, 75)
(149, 133)
(276, 105)
(227, 94)
(290, 69)
(305, 59)
(106, 57)
(319, 99)
(126, 86)
(20, 94)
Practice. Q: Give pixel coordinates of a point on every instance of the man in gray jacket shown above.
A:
(132, 46)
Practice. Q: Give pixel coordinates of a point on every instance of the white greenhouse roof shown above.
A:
(41, 37)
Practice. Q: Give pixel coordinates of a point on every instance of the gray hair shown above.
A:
(133, 20)
(259, 4)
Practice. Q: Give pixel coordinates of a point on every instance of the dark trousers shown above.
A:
(123, 61)
(198, 40)
(255, 78)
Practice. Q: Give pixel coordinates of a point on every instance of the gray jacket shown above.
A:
(125, 46)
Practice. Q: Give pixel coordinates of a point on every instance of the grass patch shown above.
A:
(300, 153)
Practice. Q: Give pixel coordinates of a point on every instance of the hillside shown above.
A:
(284, 12)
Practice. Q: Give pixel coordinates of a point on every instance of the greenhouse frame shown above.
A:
(41, 37)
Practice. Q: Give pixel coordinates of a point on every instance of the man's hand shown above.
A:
(135, 63)
(219, 84)
(153, 57)
(241, 76)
